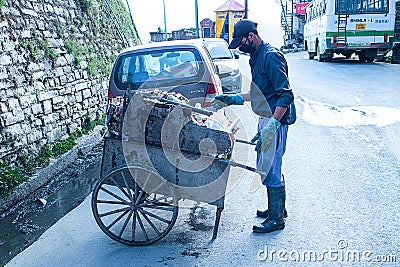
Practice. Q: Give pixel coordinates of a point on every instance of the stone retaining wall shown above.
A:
(55, 58)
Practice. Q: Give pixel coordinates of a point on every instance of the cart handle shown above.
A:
(244, 142)
(235, 164)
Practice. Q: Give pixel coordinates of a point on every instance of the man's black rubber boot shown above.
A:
(264, 213)
(276, 207)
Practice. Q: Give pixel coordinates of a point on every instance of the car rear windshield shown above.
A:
(158, 67)
(218, 50)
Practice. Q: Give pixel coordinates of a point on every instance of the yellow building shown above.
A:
(226, 17)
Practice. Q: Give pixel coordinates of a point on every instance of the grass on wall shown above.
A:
(76, 49)
(39, 47)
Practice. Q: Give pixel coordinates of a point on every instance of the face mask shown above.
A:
(247, 48)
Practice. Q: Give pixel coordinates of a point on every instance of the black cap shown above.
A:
(241, 29)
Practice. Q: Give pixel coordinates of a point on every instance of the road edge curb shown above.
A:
(41, 177)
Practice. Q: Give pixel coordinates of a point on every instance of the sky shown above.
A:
(148, 15)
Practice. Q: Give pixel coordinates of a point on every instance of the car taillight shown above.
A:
(110, 95)
(232, 138)
(386, 37)
(211, 92)
(334, 38)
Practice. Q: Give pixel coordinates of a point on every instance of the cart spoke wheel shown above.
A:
(134, 205)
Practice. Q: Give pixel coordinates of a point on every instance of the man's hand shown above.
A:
(226, 100)
(266, 136)
(255, 138)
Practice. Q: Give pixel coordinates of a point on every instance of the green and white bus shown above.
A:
(363, 27)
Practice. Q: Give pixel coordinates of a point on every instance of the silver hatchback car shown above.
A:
(226, 60)
(183, 67)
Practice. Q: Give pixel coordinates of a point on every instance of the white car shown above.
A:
(226, 60)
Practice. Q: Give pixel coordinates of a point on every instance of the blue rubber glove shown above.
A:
(236, 99)
(266, 136)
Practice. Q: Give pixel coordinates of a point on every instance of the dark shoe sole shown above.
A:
(263, 230)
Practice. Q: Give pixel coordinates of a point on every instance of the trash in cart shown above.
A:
(199, 116)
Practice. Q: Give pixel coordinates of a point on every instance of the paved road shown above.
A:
(342, 172)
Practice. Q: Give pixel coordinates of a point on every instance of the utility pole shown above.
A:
(196, 12)
(165, 23)
(246, 8)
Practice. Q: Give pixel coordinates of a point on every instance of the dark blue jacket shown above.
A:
(270, 82)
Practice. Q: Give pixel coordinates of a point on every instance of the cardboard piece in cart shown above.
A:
(227, 124)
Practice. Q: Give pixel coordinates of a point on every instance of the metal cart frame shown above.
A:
(135, 201)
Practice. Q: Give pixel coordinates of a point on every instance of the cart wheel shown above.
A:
(129, 214)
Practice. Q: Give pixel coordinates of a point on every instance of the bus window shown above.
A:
(361, 6)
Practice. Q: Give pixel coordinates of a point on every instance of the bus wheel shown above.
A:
(361, 57)
(370, 59)
(311, 55)
(347, 54)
